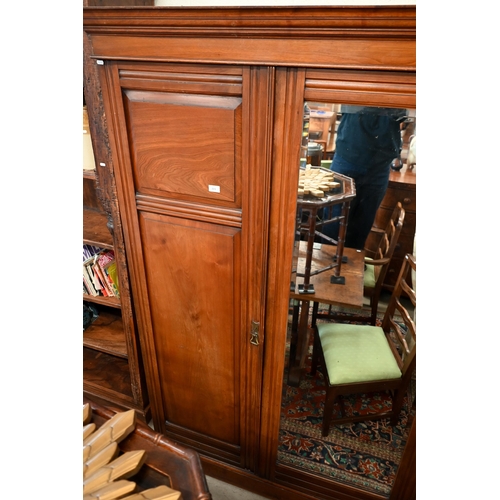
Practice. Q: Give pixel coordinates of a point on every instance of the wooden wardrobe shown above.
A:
(204, 117)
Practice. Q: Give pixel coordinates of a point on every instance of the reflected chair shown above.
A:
(376, 266)
(361, 358)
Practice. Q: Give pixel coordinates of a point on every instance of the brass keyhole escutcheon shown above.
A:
(254, 333)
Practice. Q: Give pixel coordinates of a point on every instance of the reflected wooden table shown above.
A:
(349, 295)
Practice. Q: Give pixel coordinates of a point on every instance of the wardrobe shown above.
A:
(203, 110)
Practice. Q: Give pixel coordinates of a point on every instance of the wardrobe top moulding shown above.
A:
(314, 37)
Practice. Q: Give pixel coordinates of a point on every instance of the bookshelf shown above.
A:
(112, 363)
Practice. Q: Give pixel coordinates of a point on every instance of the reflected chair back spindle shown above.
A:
(377, 266)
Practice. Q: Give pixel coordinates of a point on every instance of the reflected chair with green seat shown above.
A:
(362, 358)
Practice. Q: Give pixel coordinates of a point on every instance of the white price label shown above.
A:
(213, 189)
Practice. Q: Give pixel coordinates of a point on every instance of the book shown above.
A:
(89, 282)
(107, 263)
(90, 251)
(112, 272)
(99, 273)
(85, 289)
(93, 278)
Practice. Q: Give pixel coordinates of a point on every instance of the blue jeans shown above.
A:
(371, 183)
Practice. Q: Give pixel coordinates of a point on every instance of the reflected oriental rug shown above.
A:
(364, 455)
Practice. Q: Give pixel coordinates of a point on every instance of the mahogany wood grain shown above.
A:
(88, 175)
(184, 145)
(348, 295)
(257, 167)
(229, 216)
(354, 55)
(107, 230)
(190, 326)
(379, 88)
(288, 108)
(104, 301)
(118, 3)
(141, 307)
(90, 199)
(106, 376)
(193, 306)
(106, 334)
(307, 37)
(260, 22)
(95, 231)
(143, 414)
(405, 483)
(293, 52)
(405, 177)
(402, 189)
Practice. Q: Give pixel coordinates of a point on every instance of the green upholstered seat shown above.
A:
(356, 353)
(369, 279)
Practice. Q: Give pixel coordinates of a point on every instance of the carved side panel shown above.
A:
(107, 194)
(106, 190)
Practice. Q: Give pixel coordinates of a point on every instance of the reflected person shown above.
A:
(368, 140)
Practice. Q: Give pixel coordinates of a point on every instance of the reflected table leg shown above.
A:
(298, 351)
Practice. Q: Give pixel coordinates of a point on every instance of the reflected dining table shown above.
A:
(349, 294)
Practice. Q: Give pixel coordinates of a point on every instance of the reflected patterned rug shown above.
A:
(364, 455)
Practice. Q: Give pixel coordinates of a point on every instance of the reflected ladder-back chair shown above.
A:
(376, 266)
(359, 359)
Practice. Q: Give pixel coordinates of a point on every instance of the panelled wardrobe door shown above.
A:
(193, 173)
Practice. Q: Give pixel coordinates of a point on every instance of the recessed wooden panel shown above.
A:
(191, 276)
(184, 144)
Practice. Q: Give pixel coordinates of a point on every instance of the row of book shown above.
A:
(100, 276)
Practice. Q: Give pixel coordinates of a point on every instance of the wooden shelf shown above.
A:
(95, 230)
(106, 334)
(89, 174)
(104, 301)
(107, 377)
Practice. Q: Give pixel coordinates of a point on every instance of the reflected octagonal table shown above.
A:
(311, 228)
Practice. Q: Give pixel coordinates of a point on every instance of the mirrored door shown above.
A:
(348, 154)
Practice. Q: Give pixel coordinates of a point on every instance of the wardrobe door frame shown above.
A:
(294, 86)
(257, 102)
